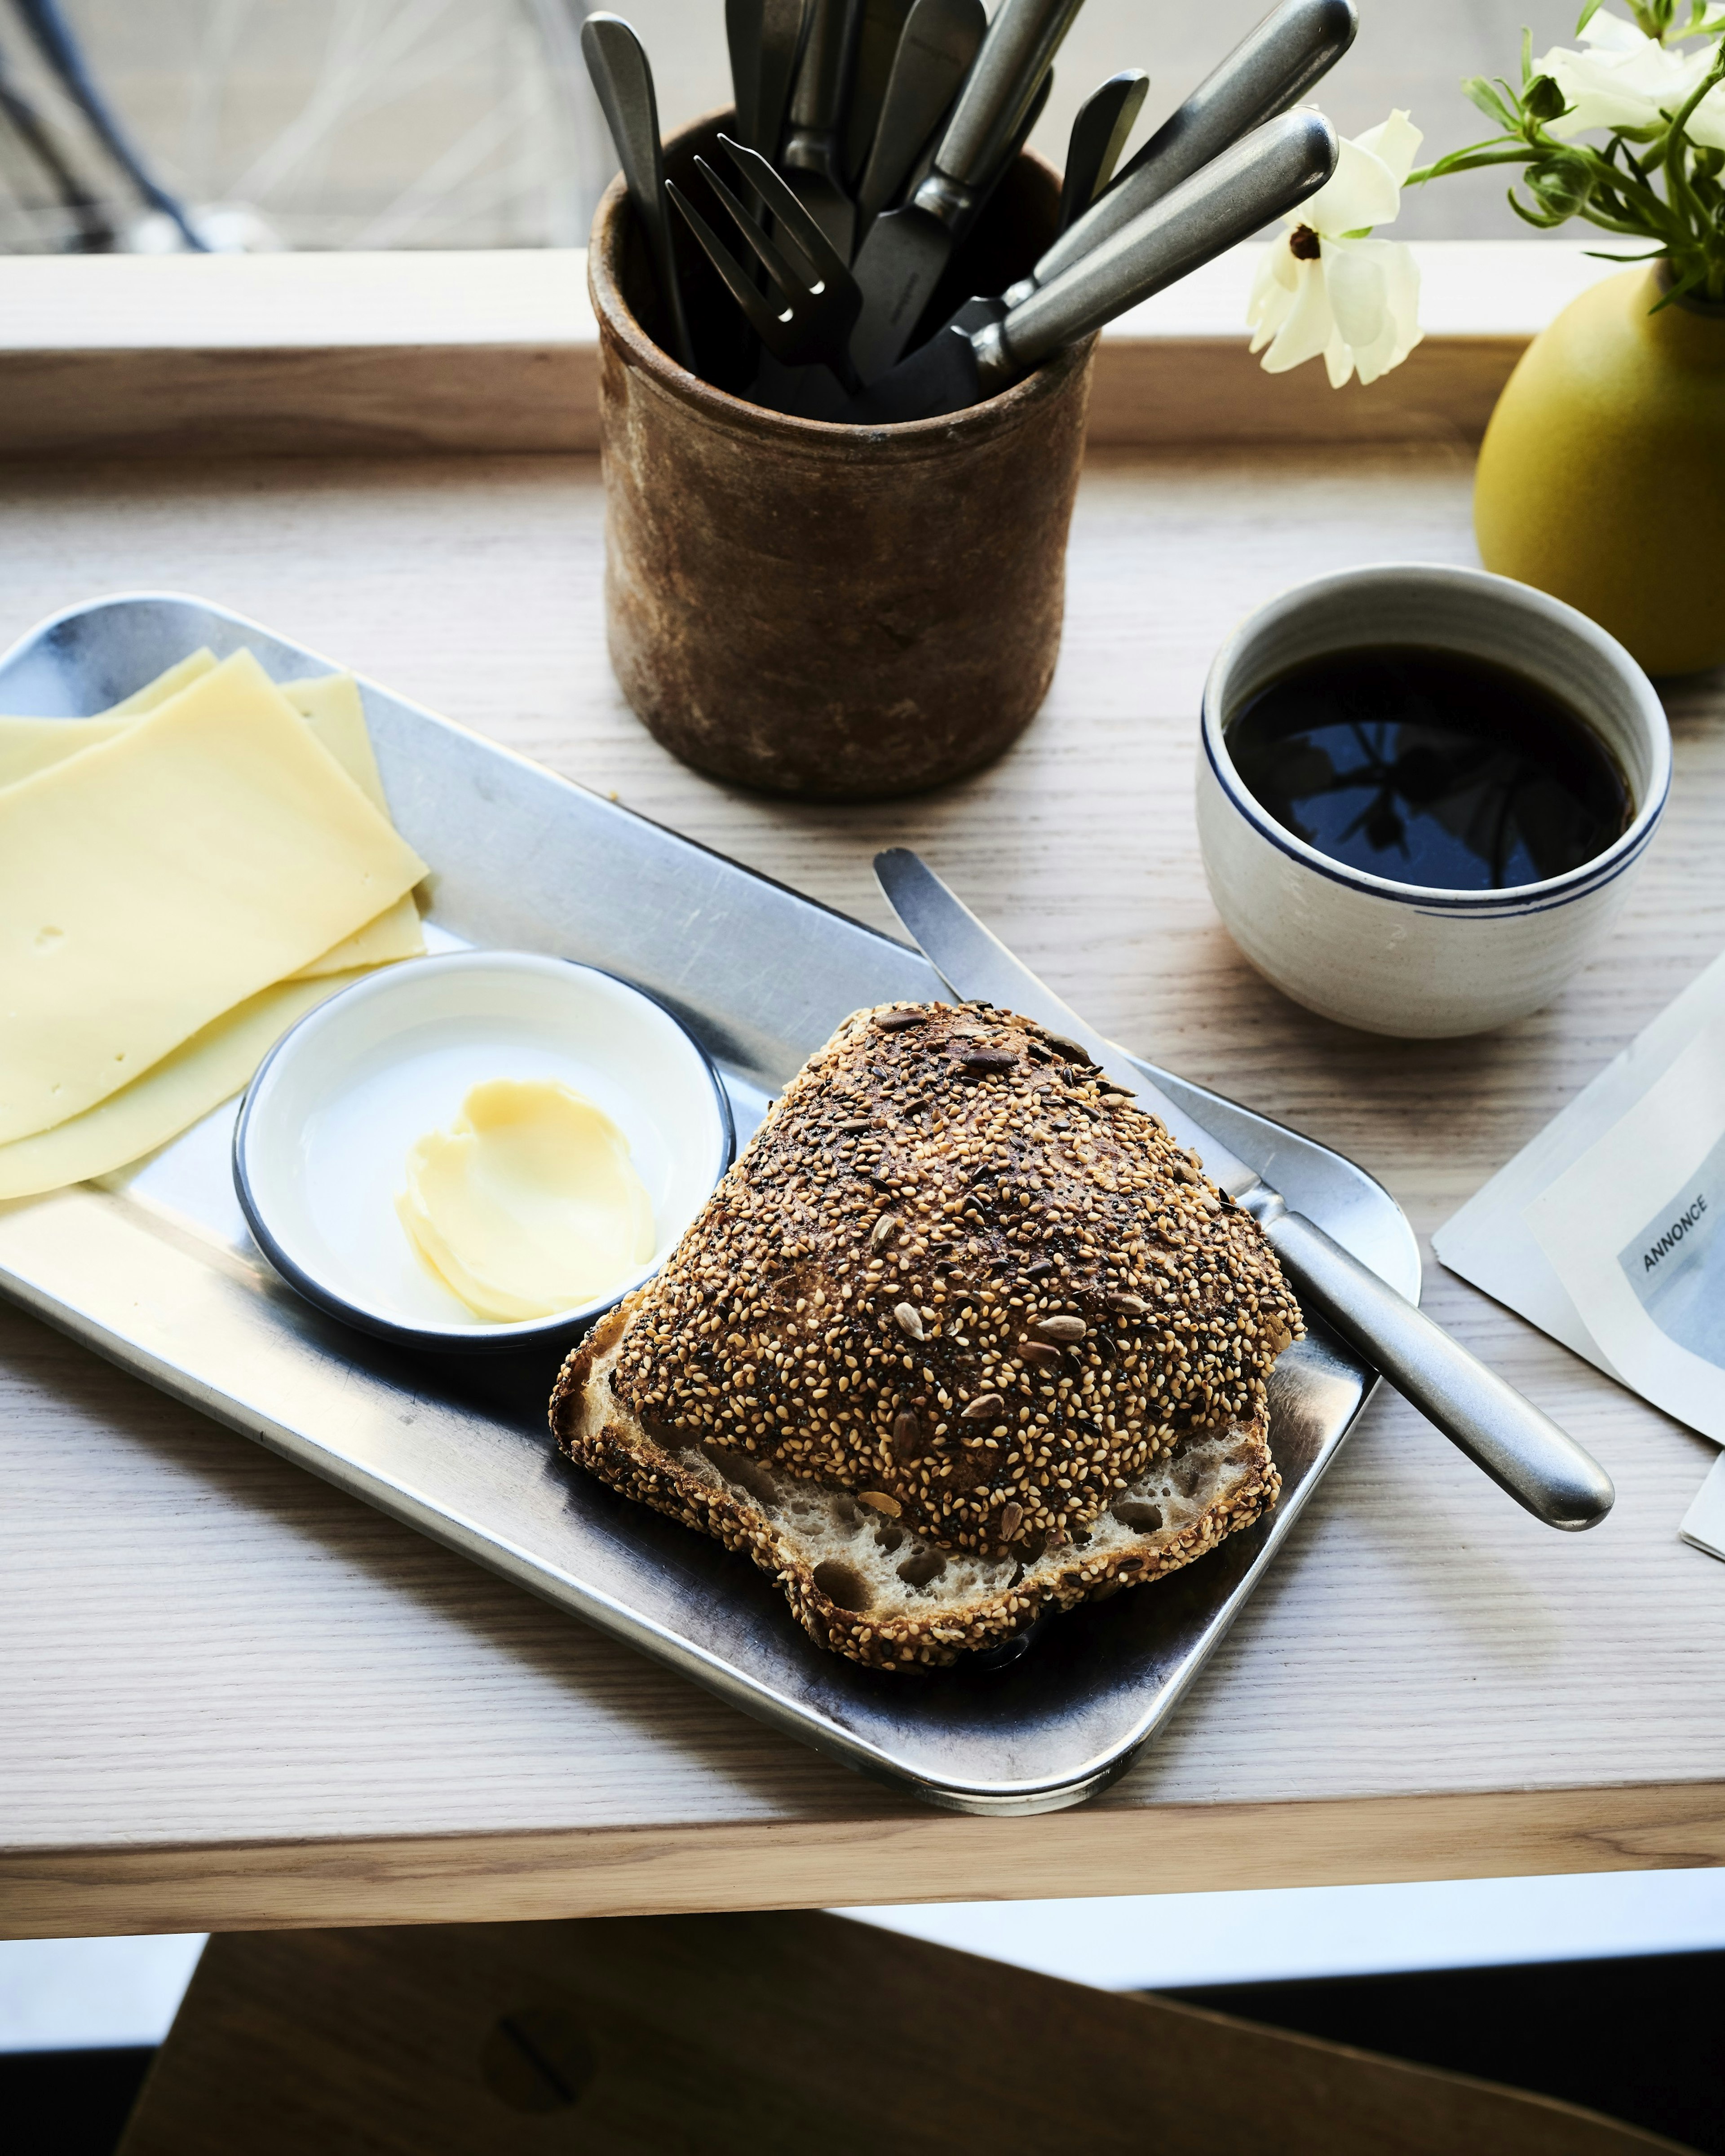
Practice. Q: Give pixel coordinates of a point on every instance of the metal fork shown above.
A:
(802, 319)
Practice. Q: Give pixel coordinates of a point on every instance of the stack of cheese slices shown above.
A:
(180, 879)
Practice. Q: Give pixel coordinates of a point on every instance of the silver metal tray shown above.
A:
(154, 1269)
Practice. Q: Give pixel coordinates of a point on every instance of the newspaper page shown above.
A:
(1607, 1231)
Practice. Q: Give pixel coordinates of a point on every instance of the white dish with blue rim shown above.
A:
(321, 1149)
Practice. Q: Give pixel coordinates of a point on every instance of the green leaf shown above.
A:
(1482, 93)
(1469, 161)
(1588, 14)
(1679, 286)
(1526, 55)
(1530, 215)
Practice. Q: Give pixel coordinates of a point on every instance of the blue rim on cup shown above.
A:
(1401, 958)
(321, 1142)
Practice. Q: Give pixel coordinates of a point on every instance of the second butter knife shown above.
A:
(901, 262)
(1519, 1447)
(1268, 72)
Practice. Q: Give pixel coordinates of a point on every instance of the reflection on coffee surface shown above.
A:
(1430, 768)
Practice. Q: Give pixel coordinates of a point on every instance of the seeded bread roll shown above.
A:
(962, 1336)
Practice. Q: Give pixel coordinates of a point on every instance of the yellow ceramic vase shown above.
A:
(1602, 475)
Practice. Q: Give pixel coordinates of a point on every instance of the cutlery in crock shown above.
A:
(812, 161)
(906, 248)
(623, 77)
(1268, 71)
(1099, 133)
(1268, 173)
(742, 42)
(879, 33)
(802, 319)
(941, 41)
(784, 27)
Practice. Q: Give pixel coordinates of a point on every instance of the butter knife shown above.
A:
(813, 159)
(1267, 74)
(1520, 1448)
(622, 76)
(899, 262)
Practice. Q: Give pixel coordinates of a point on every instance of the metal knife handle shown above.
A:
(1490, 1422)
(784, 26)
(1259, 178)
(622, 76)
(942, 38)
(1270, 69)
(818, 101)
(1518, 1447)
(742, 40)
(1099, 133)
(1021, 42)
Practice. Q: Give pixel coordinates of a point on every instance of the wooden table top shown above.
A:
(230, 1696)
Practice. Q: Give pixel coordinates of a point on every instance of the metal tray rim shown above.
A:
(998, 1797)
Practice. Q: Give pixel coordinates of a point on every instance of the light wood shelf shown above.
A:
(232, 1697)
(409, 353)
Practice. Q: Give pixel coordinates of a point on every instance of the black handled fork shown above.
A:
(804, 317)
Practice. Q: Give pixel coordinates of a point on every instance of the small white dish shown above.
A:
(1397, 957)
(320, 1148)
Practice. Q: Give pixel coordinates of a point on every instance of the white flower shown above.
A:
(1706, 124)
(1629, 79)
(1328, 288)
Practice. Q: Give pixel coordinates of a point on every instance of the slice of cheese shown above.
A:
(181, 675)
(174, 1093)
(394, 934)
(157, 880)
(331, 706)
(28, 745)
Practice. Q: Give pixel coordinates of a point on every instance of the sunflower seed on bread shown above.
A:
(928, 1437)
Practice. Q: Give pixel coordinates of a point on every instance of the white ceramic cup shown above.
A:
(1397, 957)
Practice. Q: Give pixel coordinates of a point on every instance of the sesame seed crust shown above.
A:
(961, 1279)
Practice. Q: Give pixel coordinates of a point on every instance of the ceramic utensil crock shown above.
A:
(836, 613)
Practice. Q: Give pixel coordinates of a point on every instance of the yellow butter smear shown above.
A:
(529, 1203)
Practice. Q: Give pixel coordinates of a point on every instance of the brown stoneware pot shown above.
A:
(840, 613)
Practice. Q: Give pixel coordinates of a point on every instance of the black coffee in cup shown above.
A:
(1430, 766)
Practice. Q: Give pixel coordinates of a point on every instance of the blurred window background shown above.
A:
(369, 124)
